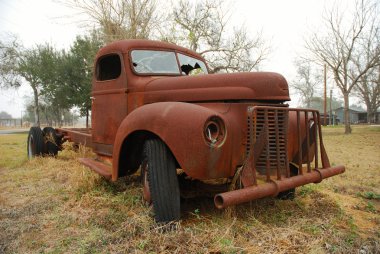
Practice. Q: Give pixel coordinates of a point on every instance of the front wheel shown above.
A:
(160, 167)
(291, 193)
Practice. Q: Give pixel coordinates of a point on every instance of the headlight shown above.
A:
(214, 131)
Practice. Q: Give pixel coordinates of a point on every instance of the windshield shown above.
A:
(165, 62)
(152, 61)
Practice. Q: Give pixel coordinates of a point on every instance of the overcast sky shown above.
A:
(284, 24)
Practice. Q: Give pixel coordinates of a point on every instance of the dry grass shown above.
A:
(57, 206)
(12, 150)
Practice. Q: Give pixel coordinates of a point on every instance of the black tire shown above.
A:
(163, 182)
(51, 140)
(35, 144)
(291, 193)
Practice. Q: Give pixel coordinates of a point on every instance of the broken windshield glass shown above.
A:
(152, 61)
(191, 66)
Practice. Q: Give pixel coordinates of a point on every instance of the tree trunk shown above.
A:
(347, 123)
(369, 108)
(87, 118)
(59, 118)
(36, 107)
(46, 116)
(369, 115)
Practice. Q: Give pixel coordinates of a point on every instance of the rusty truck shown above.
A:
(158, 112)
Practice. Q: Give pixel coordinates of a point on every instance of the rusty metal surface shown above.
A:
(114, 99)
(277, 134)
(273, 187)
(124, 46)
(76, 135)
(97, 166)
(109, 104)
(232, 86)
(180, 126)
(258, 131)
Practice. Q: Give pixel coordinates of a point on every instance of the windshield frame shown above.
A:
(176, 52)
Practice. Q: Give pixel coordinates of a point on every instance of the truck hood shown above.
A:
(213, 87)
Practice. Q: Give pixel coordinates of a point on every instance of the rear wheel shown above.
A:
(51, 141)
(35, 144)
(159, 167)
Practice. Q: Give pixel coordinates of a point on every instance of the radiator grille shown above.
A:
(274, 155)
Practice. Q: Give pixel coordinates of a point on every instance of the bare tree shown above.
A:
(368, 89)
(203, 27)
(306, 82)
(343, 44)
(119, 19)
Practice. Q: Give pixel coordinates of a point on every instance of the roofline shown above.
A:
(126, 45)
(355, 111)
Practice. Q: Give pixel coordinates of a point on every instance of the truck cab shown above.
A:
(122, 73)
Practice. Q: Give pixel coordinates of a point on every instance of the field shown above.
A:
(50, 205)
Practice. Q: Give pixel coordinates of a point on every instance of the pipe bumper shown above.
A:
(273, 187)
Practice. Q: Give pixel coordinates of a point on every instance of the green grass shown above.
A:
(12, 147)
(52, 205)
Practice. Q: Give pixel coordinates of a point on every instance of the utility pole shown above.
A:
(325, 97)
(331, 115)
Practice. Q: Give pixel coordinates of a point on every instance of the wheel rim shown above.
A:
(145, 183)
(31, 147)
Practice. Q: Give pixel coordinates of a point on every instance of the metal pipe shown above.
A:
(299, 138)
(307, 125)
(272, 188)
(316, 125)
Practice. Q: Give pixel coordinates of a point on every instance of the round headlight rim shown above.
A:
(217, 136)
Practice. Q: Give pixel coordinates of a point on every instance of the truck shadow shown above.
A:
(270, 211)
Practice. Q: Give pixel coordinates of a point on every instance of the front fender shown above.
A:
(180, 126)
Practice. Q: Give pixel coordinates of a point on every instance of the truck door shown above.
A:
(109, 101)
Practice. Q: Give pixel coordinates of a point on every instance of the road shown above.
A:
(13, 131)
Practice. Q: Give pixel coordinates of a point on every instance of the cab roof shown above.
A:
(125, 46)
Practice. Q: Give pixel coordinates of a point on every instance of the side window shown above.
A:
(108, 67)
(191, 66)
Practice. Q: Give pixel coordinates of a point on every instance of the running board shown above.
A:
(97, 166)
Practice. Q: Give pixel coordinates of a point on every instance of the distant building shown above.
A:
(356, 116)
(334, 119)
(10, 122)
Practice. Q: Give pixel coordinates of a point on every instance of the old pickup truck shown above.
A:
(157, 112)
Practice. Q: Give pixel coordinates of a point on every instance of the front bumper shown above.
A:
(274, 187)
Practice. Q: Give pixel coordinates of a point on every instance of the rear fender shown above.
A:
(180, 126)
